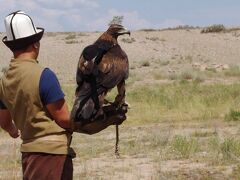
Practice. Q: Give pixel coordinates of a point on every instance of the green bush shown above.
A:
(185, 147)
(214, 29)
(232, 115)
(233, 71)
(230, 148)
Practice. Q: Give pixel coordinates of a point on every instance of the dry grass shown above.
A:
(180, 134)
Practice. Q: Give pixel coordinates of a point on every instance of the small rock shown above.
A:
(203, 67)
(225, 66)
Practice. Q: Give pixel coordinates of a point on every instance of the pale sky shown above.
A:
(94, 15)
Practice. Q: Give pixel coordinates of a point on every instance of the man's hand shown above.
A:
(7, 124)
(112, 116)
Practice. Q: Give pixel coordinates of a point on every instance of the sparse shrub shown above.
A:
(214, 144)
(181, 27)
(230, 149)
(214, 29)
(189, 58)
(70, 36)
(199, 79)
(128, 40)
(186, 27)
(173, 76)
(233, 115)
(149, 30)
(132, 67)
(162, 39)
(145, 63)
(185, 147)
(82, 34)
(158, 75)
(153, 38)
(233, 71)
(164, 63)
(211, 69)
(203, 133)
(71, 42)
(187, 75)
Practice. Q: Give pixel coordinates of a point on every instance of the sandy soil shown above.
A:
(182, 48)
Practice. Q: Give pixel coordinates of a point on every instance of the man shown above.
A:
(32, 97)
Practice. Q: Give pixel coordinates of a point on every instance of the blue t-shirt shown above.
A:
(49, 88)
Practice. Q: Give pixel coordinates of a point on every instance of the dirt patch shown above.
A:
(117, 168)
(181, 165)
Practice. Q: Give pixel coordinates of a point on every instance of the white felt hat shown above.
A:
(20, 31)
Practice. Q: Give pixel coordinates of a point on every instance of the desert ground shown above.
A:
(184, 116)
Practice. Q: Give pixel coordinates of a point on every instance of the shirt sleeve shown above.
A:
(2, 106)
(49, 87)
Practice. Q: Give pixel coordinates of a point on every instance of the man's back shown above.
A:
(20, 93)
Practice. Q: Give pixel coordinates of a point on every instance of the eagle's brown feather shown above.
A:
(113, 67)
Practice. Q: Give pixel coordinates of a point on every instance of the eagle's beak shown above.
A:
(124, 31)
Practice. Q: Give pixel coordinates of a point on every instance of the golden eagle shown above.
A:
(102, 66)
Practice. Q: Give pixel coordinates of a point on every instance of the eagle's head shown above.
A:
(109, 37)
(116, 30)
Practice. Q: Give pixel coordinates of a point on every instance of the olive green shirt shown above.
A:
(19, 91)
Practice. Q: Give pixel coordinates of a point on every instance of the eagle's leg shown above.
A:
(119, 102)
(120, 98)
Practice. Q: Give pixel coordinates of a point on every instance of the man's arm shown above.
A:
(52, 98)
(7, 124)
(59, 112)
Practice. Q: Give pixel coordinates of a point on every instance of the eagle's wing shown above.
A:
(86, 64)
(113, 68)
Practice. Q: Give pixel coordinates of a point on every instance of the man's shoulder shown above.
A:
(27, 66)
(48, 75)
(50, 90)
(48, 72)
